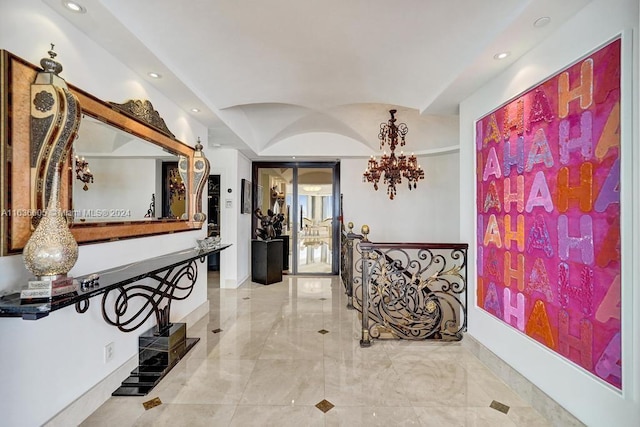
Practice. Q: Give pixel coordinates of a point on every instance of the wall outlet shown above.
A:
(109, 351)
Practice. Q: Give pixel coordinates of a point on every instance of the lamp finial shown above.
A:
(50, 65)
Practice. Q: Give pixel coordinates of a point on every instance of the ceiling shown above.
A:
(294, 76)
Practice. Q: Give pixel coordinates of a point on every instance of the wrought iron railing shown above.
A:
(350, 261)
(413, 290)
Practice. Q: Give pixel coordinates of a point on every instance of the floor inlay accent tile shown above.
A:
(152, 403)
(323, 299)
(246, 298)
(501, 407)
(323, 331)
(324, 405)
(217, 330)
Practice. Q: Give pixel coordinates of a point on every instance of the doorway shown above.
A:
(307, 193)
(213, 218)
(173, 191)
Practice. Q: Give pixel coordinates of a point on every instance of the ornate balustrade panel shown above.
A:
(350, 262)
(413, 291)
(356, 283)
(345, 266)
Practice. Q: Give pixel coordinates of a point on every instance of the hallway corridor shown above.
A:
(269, 354)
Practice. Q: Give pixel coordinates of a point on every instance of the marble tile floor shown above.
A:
(270, 366)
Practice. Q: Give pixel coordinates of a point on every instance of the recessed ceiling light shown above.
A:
(74, 7)
(293, 157)
(154, 75)
(195, 110)
(501, 55)
(541, 22)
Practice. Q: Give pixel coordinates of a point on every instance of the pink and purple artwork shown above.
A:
(548, 207)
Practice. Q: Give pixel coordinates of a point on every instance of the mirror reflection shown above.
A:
(120, 177)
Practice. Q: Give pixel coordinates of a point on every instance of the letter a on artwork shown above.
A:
(493, 165)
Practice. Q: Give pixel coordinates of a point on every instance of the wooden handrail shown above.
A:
(395, 245)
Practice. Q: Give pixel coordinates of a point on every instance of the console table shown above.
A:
(160, 347)
(167, 270)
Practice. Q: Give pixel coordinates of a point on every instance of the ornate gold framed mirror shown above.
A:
(134, 120)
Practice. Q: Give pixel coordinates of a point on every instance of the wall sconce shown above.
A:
(83, 173)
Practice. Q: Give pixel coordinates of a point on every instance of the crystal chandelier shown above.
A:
(390, 167)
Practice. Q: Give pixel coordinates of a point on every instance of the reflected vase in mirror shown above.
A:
(51, 250)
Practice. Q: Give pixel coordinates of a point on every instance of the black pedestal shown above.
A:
(285, 251)
(266, 261)
(158, 354)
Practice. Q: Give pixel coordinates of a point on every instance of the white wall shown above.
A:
(244, 223)
(235, 228)
(589, 399)
(46, 364)
(428, 213)
(122, 185)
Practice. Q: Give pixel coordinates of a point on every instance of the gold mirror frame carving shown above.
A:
(143, 110)
(16, 77)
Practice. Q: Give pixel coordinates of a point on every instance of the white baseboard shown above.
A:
(538, 399)
(88, 403)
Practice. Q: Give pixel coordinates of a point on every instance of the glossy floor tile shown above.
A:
(270, 355)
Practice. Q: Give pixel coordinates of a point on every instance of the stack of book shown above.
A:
(44, 290)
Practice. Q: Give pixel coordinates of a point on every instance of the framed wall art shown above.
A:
(548, 213)
(259, 196)
(245, 197)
